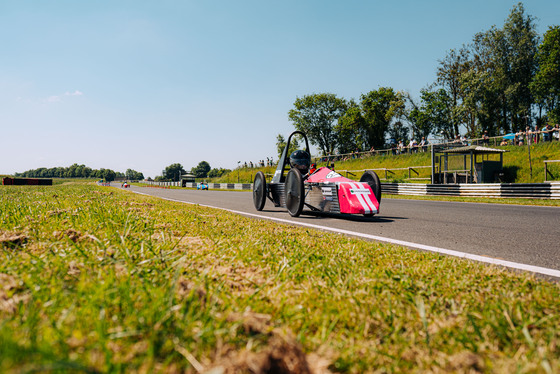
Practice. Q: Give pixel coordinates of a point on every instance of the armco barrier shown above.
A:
(550, 190)
(215, 186)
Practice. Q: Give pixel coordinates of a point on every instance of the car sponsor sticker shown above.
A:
(360, 191)
(326, 190)
(333, 174)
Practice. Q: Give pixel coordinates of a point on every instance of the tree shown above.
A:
(133, 175)
(498, 85)
(522, 41)
(449, 74)
(86, 172)
(379, 109)
(488, 81)
(433, 114)
(173, 172)
(351, 130)
(201, 170)
(216, 173)
(546, 83)
(109, 175)
(398, 131)
(281, 144)
(316, 115)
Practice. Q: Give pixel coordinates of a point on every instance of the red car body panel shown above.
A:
(353, 197)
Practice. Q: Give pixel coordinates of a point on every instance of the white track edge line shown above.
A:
(449, 252)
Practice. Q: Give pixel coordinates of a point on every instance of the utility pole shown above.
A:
(238, 166)
(528, 145)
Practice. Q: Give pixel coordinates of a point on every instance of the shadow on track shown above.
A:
(309, 214)
(348, 217)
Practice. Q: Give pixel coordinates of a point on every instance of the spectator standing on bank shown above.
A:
(485, 138)
(423, 144)
(412, 145)
(536, 135)
(547, 133)
(556, 132)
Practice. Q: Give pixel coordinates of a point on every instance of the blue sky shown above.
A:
(144, 84)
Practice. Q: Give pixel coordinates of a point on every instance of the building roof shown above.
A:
(475, 149)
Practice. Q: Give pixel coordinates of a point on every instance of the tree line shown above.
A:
(80, 171)
(504, 80)
(173, 172)
(170, 173)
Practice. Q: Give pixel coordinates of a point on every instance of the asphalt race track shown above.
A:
(521, 234)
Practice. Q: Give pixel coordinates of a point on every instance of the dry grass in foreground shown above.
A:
(96, 279)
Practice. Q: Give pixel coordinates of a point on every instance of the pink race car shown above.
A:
(321, 190)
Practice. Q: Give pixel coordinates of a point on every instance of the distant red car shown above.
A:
(322, 190)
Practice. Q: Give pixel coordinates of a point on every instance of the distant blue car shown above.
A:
(202, 186)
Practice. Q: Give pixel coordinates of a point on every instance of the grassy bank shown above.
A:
(516, 165)
(98, 279)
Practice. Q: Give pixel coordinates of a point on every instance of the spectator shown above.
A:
(464, 140)
(556, 132)
(536, 135)
(547, 133)
(504, 142)
(423, 144)
(400, 147)
(412, 145)
(528, 135)
(485, 138)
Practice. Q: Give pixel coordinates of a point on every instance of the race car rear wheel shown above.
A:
(371, 178)
(259, 191)
(295, 194)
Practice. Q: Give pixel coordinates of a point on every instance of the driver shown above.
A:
(313, 168)
(300, 160)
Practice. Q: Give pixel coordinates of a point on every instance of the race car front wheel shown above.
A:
(294, 192)
(259, 191)
(371, 178)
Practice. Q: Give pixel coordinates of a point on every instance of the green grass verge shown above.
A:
(98, 279)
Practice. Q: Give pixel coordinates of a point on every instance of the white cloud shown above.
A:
(75, 93)
(53, 99)
(58, 98)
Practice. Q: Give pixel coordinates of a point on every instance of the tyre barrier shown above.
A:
(550, 190)
(214, 186)
(7, 181)
(494, 190)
